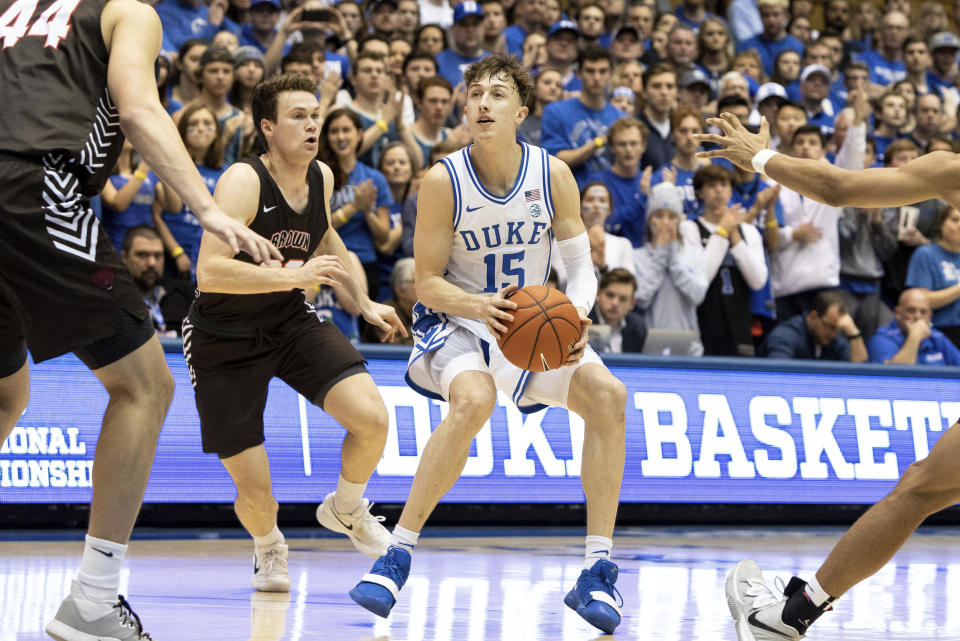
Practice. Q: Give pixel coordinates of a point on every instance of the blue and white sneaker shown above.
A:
(378, 589)
(595, 598)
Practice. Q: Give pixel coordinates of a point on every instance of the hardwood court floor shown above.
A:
(483, 588)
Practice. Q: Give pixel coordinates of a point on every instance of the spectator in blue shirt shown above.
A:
(910, 338)
(944, 47)
(264, 15)
(744, 19)
(886, 65)
(935, 268)
(467, 31)
(814, 92)
(774, 38)
(574, 130)
(826, 332)
(360, 205)
(528, 16)
(186, 19)
(692, 13)
(628, 187)
(890, 119)
(562, 50)
(685, 123)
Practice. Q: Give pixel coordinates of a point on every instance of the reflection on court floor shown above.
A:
(479, 589)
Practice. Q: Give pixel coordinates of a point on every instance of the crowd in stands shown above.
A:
(693, 257)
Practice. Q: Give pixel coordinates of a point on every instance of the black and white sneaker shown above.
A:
(756, 610)
(365, 530)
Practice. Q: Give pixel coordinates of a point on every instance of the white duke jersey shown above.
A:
(497, 242)
(500, 241)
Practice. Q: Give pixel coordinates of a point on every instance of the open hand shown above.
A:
(737, 145)
(238, 236)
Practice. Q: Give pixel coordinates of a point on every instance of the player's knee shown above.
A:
(372, 422)
(473, 406)
(255, 496)
(925, 489)
(605, 393)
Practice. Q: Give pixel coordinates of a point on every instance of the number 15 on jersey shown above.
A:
(510, 267)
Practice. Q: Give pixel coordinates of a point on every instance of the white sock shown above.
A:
(595, 548)
(404, 538)
(272, 537)
(816, 594)
(98, 578)
(348, 496)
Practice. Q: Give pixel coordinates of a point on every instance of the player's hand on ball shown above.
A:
(384, 317)
(577, 349)
(737, 145)
(321, 270)
(494, 310)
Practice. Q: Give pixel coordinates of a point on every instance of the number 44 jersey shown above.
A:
(53, 70)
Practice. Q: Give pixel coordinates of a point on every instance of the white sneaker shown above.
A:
(756, 610)
(120, 624)
(364, 529)
(270, 573)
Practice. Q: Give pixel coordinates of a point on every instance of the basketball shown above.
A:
(545, 325)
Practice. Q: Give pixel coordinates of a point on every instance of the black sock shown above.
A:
(799, 612)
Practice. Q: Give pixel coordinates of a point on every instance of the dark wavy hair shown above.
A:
(325, 152)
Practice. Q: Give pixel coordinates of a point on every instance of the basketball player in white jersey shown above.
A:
(485, 223)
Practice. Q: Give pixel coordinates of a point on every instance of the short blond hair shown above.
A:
(783, 4)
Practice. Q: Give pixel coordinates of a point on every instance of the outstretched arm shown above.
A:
(132, 32)
(933, 175)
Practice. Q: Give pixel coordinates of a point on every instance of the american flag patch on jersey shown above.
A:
(531, 196)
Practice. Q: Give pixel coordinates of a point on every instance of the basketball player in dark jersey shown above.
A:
(77, 75)
(250, 323)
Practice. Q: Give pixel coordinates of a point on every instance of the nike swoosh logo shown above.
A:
(349, 527)
(473, 209)
(752, 620)
(102, 552)
(269, 209)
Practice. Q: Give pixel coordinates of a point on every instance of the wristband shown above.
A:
(139, 174)
(598, 141)
(177, 253)
(854, 337)
(759, 161)
(383, 125)
(722, 232)
(772, 223)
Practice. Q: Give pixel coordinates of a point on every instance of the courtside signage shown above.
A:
(692, 436)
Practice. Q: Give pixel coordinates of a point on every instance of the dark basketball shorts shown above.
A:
(230, 375)
(62, 285)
